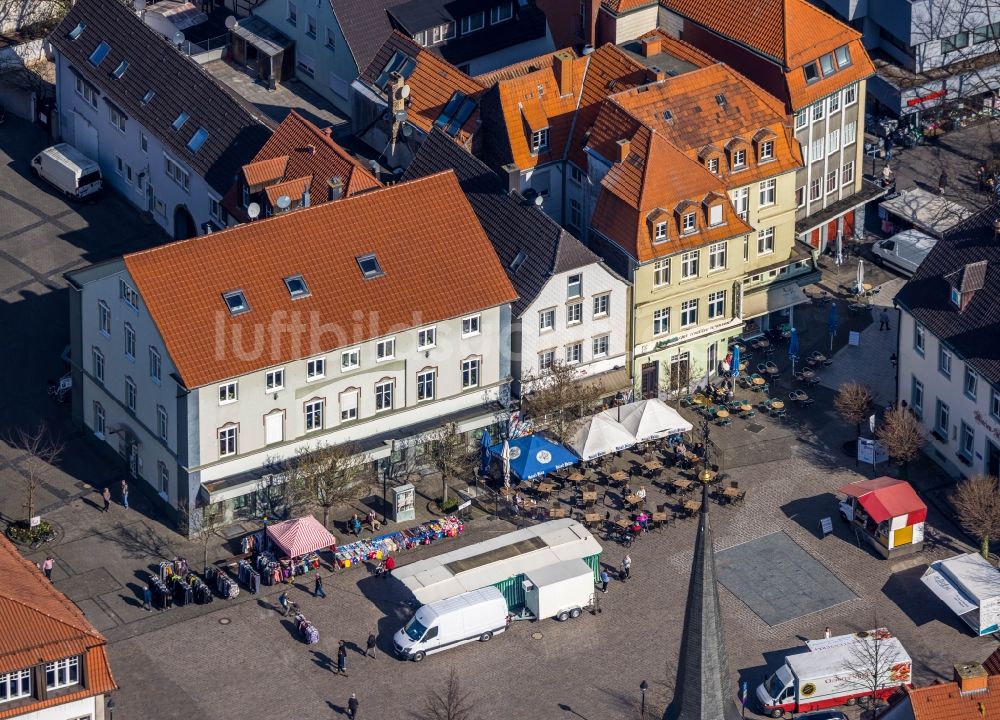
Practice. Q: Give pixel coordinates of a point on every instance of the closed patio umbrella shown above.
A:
(484, 452)
(793, 348)
(861, 277)
(832, 322)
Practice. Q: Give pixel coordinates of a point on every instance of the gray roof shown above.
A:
(512, 224)
(704, 688)
(365, 25)
(235, 133)
(968, 258)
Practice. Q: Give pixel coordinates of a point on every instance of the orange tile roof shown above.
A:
(413, 229)
(39, 623)
(509, 72)
(653, 183)
(697, 120)
(790, 32)
(943, 701)
(260, 172)
(294, 189)
(432, 83)
(624, 6)
(539, 90)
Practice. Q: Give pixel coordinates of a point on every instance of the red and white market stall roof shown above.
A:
(885, 498)
(301, 536)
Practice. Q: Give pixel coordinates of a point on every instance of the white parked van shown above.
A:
(904, 251)
(68, 170)
(476, 615)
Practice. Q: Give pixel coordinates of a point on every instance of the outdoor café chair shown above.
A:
(762, 368)
(814, 380)
(724, 422)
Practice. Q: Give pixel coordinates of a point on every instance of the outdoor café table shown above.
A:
(763, 343)
(746, 407)
(819, 357)
(557, 513)
(682, 484)
(758, 381)
(623, 523)
(808, 374)
(507, 492)
(731, 493)
(659, 517)
(545, 488)
(592, 517)
(575, 477)
(777, 405)
(722, 414)
(771, 368)
(633, 500)
(589, 496)
(619, 476)
(699, 399)
(692, 506)
(653, 465)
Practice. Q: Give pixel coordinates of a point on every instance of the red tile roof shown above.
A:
(260, 172)
(943, 701)
(39, 623)
(624, 6)
(412, 228)
(790, 32)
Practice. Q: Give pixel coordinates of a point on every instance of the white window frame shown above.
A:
(767, 150)
(689, 265)
(547, 320)
(739, 159)
(717, 256)
(384, 391)
(574, 353)
(310, 25)
(67, 668)
(602, 305)
(689, 223)
(966, 440)
(768, 192)
(660, 231)
(944, 361)
(741, 201)
(131, 394)
(313, 412)
(471, 368)
(601, 346)
(163, 477)
(162, 423)
(919, 339)
(471, 326)
(426, 379)
(801, 119)
(832, 178)
(129, 337)
(385, 350)
(177, 173)
(715, 216)
(847, 173)
(229, 392)
(917, 395)
(713, 165)
(574, 313)
(128, 295)
(103, 318)
(850, 133)
(117, 118)
(469, 24)
(100, 424)
(817, 148)
(970, 385)
(546, 358)
(689, 312)
(765, 241)
(661, 321)
(574, 286)
(349, 411)
(155, 365)
(539, 141)
(661, 273)
(833, 103)
(850, 94)
(97, 362)
(350, 359)
(291, 13)
(833, 141)
(315, 369)
(17, 684)
(229, 439)
(274, 380)
(427, 338)
(331, 38)
(716, 304)
(995, 403)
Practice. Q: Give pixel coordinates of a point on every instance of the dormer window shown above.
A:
(713, 165)
(179, 121)
(739, 159)
(826, 62)
(689, 223)
(660, 231)
(767, 150)
(843, 54)
(956, 297)
(811, 71)
(77, 31)
(715, 215)
(236, 301)
(100, 52)
(540, 141)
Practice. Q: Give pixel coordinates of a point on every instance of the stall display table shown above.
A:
(378, 548)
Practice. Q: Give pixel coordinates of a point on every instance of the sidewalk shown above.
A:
(868, 362)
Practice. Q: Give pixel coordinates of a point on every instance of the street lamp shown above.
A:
(111, 708)
(706, 473)
(643, 687)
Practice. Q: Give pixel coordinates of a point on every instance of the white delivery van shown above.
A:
(69, 170)
(826, 675)
(476, 615)
(904, 251)
(560, 591)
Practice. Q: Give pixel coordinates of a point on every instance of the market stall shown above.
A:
(889, 513)
(293, 547)
(649, 419)
(600, 435)
(534, 455)
(380, 547)
(970, 587)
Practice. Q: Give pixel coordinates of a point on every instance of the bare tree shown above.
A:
(328, 475)
(201, 527)
(977, 502)
(678, 379)
(557, 398)
(40, 452)
(854, 403)
(31, 18)
(874, 663)
(902, 435)
(28, 69)
(452, 456)
(451, 702)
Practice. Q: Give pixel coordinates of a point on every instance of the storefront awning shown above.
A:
(947, 592)
(762, 302)
(610, 382)
(262, 35)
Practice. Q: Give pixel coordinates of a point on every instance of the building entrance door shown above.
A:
(650, 379)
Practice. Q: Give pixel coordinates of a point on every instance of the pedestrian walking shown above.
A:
(107, 499)
(942, 182)
(370, 645)
(390, 565)
(888, 148)
(342, 659)
(883, 320)
(283, 601)
(125, 494)
(147, 599)
(827, 633)
(627, 567)
(47, 567)
(605, 579)
(352, 707)
(318, 590)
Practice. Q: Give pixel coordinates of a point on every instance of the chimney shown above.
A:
(562, 66)
(513, 173)
(650, 45)
(311, 149)
(971, 678)
(656, 74)
(328, 131)
(624, 146)
(335, 188)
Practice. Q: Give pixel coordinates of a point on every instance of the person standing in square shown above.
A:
(125, 494)
(106, 496)
(352, 707)
(47, 567)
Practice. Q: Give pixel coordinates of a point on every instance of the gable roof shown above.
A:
(791, 33)
(235, 131)
(512, 224)
(364, 24)
(972, 331)
(944, 701)
(37, 622)
(432, 83)
(412, 229)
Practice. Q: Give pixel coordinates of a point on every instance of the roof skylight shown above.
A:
(456, 111)
(296, 285)
(179, 122)
(100, 52)
(120, 70)
(370, 267)
(236, 301)
(77, 31)
(148, 97)
(518, 261)
(399, 62)
(197, 140)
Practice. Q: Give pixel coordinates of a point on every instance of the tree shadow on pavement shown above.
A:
(917, 602)
(137, 541)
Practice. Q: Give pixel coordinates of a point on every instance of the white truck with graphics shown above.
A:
(832, 672)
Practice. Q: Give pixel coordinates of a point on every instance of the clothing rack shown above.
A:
(381, 546)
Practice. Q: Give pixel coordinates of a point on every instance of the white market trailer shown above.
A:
(503, 561)
(560, 591)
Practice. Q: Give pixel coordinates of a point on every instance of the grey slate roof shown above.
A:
(512, 224)
(365, 25)
(704, 688)
(968, 257)
(235, 133)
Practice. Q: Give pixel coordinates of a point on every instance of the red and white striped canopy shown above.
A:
(301, 536)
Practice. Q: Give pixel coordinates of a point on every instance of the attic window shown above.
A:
(956, 297)
(179, 122)
(660, 231)
(721, 99)
(236, 302)
(811, 71)
(100, 52)
(197, 140)
(77, 31)
(667, 115)
(120, 70)
(456, 111)
(296, 285)
(148, 97)
(369, 266)
(518, 261)
(399, 62)
(843, 54)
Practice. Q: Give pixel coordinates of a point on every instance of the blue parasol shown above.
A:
(735, 369)
(793, 348)
(832, 322)
(484, 453)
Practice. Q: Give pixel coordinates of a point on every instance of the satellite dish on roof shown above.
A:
(178, 37)
(400, 117)
(230, 22)
(539, 200)
(139, 5)
(283, 202)
(404, 92)
(253, 210)
(407, 131)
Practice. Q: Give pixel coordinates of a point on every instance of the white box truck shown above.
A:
(833, 672)
(69, 170)
(476, 615)
(560, 591)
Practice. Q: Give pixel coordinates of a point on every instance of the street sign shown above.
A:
(854, 339)
(464, 505)
(36, 521)
(825, 526)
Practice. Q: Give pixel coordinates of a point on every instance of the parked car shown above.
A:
(904, 251)
(69, 170)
